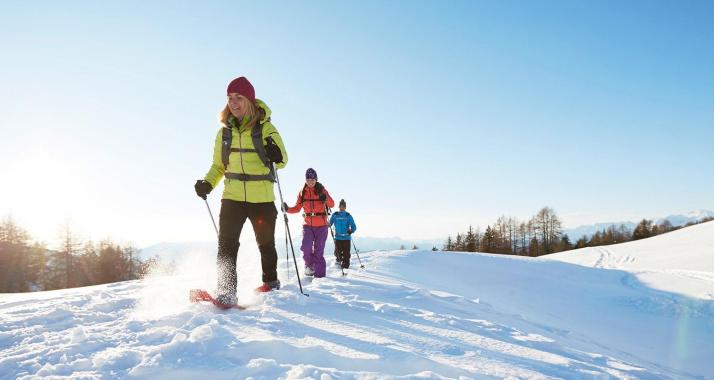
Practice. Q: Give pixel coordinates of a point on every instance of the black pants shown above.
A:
(342, 251)
(233, 215)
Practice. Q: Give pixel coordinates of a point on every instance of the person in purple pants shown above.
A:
(315, 201)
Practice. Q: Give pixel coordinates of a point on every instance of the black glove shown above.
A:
(203, 188)
(284, 207)
(273, 152)
(349, 232)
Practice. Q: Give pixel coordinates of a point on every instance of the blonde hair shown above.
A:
(254, 113)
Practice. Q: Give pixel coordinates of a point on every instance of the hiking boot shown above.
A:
(227, 299)
(309, 271)
(268, 286)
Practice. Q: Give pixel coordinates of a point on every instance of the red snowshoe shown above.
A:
(200, 295)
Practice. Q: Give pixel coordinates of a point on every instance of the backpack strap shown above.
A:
(259, 149)
(313, 213)
(318, 189)
(257, 135)
(227, 139)
(302, 194)
(249, 177)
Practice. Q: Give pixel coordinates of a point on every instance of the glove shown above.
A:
(203, 188)
(272, 150)
(349, 232)
(284, 207)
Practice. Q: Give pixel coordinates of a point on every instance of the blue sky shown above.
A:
(425, 116)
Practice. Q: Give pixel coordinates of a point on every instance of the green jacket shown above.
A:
(245, 162)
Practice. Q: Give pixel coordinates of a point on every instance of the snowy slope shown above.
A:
(681, 261)
(407, 315)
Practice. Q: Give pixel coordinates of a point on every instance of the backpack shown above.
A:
(257, 137)
(318, 189)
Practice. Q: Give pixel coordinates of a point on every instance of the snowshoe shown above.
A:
(222, 301)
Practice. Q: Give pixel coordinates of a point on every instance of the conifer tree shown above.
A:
(449, 244)
(488, 241)
(643, 230)
(470, 240)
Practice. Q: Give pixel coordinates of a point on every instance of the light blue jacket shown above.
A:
(343, 222)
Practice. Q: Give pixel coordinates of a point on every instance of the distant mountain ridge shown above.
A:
(692, 216)
(676, 220)
(170, 251)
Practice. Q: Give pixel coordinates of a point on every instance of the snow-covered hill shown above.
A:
(408, 315)
(680, 261)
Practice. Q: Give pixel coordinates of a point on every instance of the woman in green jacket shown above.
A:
(245, 149)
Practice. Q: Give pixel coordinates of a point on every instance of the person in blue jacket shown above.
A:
(344, 227)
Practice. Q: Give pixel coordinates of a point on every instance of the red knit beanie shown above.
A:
(241, 86)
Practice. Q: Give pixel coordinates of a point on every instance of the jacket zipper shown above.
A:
(240, 146)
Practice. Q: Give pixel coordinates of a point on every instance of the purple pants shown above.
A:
(313, 248)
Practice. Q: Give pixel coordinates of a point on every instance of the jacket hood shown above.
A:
(264, 113)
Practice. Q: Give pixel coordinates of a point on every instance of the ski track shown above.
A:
(363, 325)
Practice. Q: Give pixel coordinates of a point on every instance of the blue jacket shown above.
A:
(343, 222)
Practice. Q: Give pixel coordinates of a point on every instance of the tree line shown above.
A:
(30, 266)
(542, 234)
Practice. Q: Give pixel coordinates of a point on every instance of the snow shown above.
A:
(408, 315)
(681, 261)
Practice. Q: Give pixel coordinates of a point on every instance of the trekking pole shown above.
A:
(334, 241)
(357, 252)
(287, 254)
(285, 217)
(211, 214)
